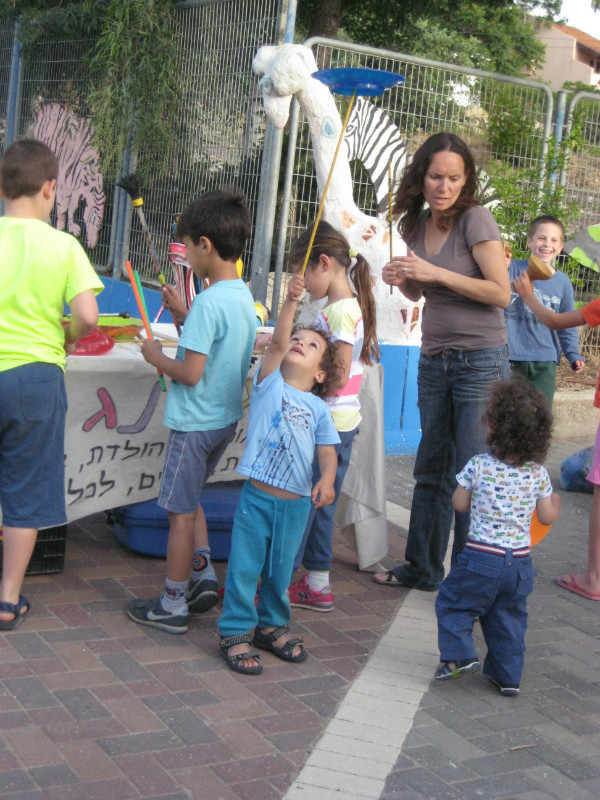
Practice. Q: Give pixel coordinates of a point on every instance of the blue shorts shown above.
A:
(191, 459)
(33, 407)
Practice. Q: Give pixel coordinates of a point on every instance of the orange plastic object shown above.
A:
(537, 530)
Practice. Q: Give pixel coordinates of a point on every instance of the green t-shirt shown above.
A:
(40, 269)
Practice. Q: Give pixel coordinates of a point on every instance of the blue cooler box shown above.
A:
(144, 527)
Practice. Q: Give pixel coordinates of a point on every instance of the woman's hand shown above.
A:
(394, 274)
(412, 268)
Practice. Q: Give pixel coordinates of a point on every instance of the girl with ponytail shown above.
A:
(342, 276)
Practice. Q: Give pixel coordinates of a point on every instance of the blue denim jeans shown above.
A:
(453, 394)
(316, 548)
(495, 589)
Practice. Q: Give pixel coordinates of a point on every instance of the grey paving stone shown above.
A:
(557, 785)
(517, 718)
(429, 785)
(439, 763)
(460, 723)
(496, 786)
(568, 720)
(82, 704)
(125, 667)
(583, 707)
(53, 775)
(30, 692)
(187, 726)
(31, 646)
(139, 743)
(567, 764)
(15, 780)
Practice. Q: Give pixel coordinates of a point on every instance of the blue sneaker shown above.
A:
(201, 596)
(152, 613)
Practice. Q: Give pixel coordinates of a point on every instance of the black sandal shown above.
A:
(234, 661)
(266, 641)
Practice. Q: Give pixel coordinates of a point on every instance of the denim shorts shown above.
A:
(33, 407)
(192, 457)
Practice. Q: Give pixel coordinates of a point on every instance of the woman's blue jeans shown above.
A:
(453, 394)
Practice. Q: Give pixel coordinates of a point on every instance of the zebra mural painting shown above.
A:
(80, 180)
(372, 138)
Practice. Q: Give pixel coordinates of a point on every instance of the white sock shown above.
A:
(317, 581)
(173, 597)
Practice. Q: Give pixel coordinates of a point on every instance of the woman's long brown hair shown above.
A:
(330, 242)
(409, 200)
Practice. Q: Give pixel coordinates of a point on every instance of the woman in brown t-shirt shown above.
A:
(456, 261)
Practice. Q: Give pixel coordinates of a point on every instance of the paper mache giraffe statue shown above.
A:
(286, 71)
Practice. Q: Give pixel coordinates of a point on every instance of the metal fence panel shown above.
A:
(7, 36)
(221, 116)
(581, 181)
(474, 104)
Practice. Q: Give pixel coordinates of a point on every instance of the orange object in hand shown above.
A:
(537, 531)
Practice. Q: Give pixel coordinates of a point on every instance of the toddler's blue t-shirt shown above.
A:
(285, 426)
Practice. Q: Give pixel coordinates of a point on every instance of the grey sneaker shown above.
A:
(151, 612)
(201, 596)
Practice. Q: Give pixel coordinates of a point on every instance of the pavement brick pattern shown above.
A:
(467, 741)
(94, 707)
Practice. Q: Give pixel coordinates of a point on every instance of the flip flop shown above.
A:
(572, 586)
(20, 611)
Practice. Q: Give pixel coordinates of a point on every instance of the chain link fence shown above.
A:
(221, 121)
(580, 178)
(480, 107)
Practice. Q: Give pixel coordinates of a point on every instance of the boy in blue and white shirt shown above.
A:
(492, 576)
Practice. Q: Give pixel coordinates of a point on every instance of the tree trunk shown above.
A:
(326, 18)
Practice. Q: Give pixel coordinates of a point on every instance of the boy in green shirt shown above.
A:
(41, 268)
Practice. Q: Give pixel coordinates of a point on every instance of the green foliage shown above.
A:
(488, 34)
(135, 93)
(129, 59)
(521, 198)
(513, 125)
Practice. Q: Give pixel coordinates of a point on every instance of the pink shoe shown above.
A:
(302, 596)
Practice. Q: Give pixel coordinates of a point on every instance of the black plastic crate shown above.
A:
(49, 551)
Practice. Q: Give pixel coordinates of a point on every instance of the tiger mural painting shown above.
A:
(69, 136)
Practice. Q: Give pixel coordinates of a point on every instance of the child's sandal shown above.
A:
(266, 641)
(234, 662)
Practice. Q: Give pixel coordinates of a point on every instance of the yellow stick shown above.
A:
(390, 211)
(335, 155)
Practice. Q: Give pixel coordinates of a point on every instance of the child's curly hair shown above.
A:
(519, 422)
(331, 363)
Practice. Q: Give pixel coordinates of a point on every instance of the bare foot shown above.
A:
(247, 663)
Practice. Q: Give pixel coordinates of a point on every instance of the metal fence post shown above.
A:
(267, 196)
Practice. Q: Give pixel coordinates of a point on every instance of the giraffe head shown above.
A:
(283, 71)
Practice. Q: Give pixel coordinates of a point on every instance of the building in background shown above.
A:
(571, 55)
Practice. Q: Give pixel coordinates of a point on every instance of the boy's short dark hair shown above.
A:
(542, 220)
(221, 216)
(25, 167)
(519, 422)
(331, 364)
